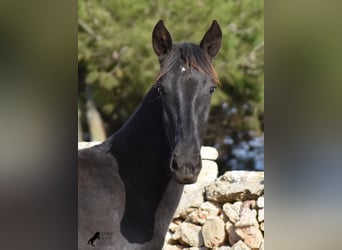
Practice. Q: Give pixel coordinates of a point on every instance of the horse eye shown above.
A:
(212, 89)
(160, 89)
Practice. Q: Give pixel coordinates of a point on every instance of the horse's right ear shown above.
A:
(161, 40)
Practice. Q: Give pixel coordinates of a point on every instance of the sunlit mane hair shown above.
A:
(193, 56)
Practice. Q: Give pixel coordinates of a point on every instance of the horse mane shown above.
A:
(193, 56)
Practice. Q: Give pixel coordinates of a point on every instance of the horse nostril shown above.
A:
(174, 165)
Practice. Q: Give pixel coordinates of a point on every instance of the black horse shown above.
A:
(130, 185)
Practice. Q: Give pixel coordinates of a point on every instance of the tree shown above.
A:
(117, 64)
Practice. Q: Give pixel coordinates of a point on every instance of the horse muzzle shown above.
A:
(186, 169)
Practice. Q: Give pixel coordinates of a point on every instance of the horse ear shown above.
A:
(161, 40)
(212, 40)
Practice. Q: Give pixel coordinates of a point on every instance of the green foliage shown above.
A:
(117, 60)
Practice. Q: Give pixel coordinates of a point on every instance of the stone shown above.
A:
(168, 238)
(251, 236)
(213, 232)
(172, 247)
(247, 218)
(209, 153)
(208, 172)
(261, 215)
(177, 221)
(260, 202)
(195, 248)
(262, 247)
(193, 194)
(184, 214)
(190, 209)
(177, 234)
(211, 208)
(192, 197)
(232, 211)
(173, 226)
(191, 235)
(249, 204)
(240, 245)
(262, 226)
(224, 248)
(236, 186)
(232, 236)
(198, 217)
(223, 216)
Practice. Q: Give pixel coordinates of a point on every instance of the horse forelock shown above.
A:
(192, 56)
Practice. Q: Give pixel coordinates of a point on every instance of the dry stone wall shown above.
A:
(224, 213)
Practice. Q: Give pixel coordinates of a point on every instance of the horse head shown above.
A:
(185, 83)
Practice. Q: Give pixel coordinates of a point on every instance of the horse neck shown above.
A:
(143, 134)
(142, 153)
(141, 149)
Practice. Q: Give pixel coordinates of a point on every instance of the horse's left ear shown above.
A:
(212, 40)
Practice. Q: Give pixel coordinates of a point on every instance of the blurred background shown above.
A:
(117, 66)
(38, 105)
